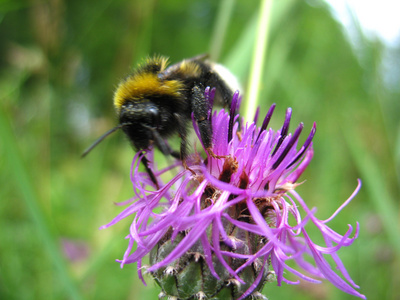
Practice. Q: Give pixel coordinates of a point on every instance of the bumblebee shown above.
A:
(157, 101)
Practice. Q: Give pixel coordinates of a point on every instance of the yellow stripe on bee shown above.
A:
(190, 69)
(141, 86)
(158, 60)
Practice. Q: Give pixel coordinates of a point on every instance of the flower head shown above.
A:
(234, 215)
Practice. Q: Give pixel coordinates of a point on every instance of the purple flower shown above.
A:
(235, 211)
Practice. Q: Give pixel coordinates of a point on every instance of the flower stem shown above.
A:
(259, 55)
(221, 25)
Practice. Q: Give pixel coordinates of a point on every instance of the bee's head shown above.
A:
(141, 122)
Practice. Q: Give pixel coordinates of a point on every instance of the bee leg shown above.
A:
(184, 143)
(213, 155)
(176, 154)
(187, 167)
(153, 178)
(181, 155)
(225, 93)
(161, 143)
(200, 108)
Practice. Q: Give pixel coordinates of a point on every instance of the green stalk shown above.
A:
(259, 55)
(221, 25)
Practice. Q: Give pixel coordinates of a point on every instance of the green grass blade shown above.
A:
(24, 185)
(373, 181)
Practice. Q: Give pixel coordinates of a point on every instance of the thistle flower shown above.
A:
(231, 223)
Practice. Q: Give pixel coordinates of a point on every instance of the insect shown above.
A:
(157, 101)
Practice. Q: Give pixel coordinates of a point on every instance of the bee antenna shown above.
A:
(102, 138)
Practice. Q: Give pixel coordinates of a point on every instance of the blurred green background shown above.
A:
(59, 64)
